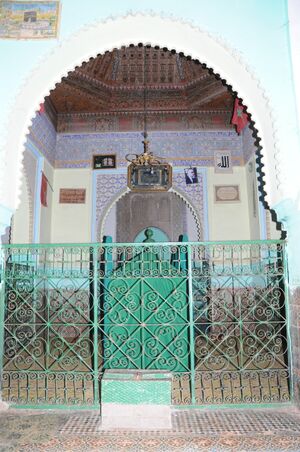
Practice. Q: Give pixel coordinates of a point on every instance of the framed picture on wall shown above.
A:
(104, 161)
(223, 162)
(191, 176)
(29, 19)
(72, 195)
(227, 193)
(149, 178)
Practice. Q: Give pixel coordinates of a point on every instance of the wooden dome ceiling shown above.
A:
(115, 82)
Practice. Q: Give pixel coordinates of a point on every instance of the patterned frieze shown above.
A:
(180, 148)
(134, 121)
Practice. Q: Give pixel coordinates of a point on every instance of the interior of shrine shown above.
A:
(102, 109)
(138, 145)
(150, 218)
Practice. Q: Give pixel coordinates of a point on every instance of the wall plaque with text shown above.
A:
(72, 196)
(223, 162)
(227, 193)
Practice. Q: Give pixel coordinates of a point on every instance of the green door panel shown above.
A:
(146, 317)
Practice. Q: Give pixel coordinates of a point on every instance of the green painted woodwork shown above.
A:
(136, 388)
(213, 314)
(146, 318)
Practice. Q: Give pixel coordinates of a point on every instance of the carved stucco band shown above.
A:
(123, 31)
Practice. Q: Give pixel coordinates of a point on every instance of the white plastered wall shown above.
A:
(228, 220)
(71, 223)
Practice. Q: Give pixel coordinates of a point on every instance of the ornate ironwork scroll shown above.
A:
(212, 313)
(48, 330)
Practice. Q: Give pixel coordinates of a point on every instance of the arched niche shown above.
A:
(169, 206)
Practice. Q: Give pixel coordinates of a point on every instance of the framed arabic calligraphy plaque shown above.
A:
(223, 162)
(104, 161)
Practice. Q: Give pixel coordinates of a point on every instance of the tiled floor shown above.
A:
(239, 430)
(199, 422)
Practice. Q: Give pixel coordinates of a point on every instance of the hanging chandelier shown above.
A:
(147, 172)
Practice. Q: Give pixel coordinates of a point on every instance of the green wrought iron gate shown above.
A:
(212, 313)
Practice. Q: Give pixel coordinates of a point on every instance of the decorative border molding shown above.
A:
(158, 120)
(149, 28)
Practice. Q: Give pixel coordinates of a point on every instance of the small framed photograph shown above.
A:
(191, 176)
(104, 161)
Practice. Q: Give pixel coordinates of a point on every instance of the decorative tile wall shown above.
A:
(108, 188)
(180, 148)
(42, 133)
(194, 194)
(196, 148)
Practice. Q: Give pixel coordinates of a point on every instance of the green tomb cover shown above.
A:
(146, 316)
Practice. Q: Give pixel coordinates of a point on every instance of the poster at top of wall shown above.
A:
(29, 19)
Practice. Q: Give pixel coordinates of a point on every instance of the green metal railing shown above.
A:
(212, 313)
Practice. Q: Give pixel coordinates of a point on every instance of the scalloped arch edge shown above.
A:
(155, 30)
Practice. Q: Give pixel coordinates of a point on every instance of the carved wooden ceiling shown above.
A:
(134, 79)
